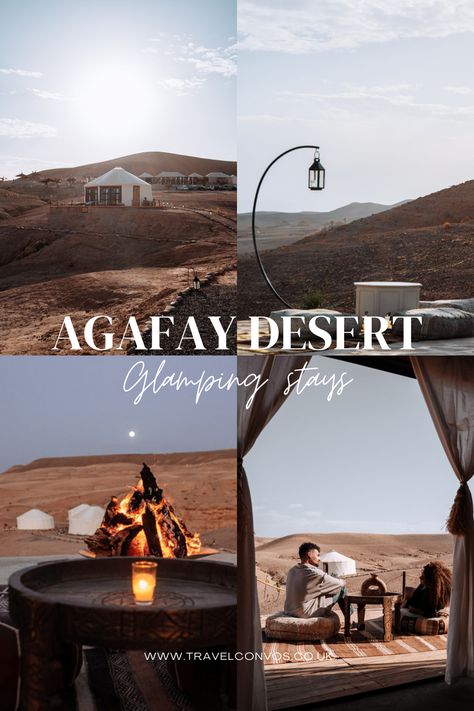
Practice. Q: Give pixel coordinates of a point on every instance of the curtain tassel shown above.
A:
(461, 512)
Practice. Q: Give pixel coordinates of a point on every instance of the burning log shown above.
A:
(143, 523)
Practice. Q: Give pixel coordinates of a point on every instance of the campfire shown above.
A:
(143, 523)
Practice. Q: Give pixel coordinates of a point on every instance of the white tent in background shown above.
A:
(337, 564)
(117, 187)
(34, 520)
(77, 509)
(84, 520)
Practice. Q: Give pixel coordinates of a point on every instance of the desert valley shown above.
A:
(428, 240)
(61, 257)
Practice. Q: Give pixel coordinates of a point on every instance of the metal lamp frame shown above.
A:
(254, 236)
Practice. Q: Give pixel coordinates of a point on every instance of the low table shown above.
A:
(387, 600)
(90, 602)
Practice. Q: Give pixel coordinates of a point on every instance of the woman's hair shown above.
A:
(437, 578)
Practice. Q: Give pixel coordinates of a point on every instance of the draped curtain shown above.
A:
(447, 384)
(252, 418)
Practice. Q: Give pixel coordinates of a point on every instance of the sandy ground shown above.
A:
(200, 485)
(115, 261)
(386, 555)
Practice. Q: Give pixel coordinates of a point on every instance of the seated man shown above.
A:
(308, 588)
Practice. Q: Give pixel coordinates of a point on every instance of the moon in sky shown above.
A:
(131, 433)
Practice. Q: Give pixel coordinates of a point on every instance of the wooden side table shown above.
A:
(387, 600)
(90, 602)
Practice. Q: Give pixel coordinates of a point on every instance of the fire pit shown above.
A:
(144, 523)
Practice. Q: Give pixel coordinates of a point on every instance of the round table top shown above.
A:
(190, 595)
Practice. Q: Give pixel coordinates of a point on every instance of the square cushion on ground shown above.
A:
(424, 625)
(281, 626)
(437, 323)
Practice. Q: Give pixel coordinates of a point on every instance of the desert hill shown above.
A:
(119, 261)
(152, 162)
(275, 229)
(429, 240)
(201, 486)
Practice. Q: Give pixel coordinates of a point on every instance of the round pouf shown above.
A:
(281, 626)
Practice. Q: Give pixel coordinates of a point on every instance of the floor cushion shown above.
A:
(424, 625)
(463, 304)
(437, 323)
(281, 626)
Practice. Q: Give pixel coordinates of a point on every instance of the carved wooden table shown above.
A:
(91, 602)
(385, 599)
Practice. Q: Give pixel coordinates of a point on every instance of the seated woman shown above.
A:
(432, 594)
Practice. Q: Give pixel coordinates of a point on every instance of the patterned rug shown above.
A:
(125, 681)
(362, 643)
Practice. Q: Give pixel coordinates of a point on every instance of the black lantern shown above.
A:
(316, 173)
(196, 282)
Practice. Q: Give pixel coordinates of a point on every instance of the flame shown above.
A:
(168, 525)
(143, 523)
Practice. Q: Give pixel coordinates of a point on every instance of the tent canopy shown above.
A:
(117, 176)
(34, 519)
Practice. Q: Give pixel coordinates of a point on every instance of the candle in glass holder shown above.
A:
(143, 581)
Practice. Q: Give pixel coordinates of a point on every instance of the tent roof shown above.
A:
(217, 174)
(170, 174)
(145, 175)
(333, 557)
(34, 513)
(117, 176)
(195, 175)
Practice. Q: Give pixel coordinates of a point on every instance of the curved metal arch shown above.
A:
(254, 237)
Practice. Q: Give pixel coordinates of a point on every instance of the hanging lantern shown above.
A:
(196, 282)
(316, 173)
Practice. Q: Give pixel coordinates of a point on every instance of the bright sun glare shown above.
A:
(114, 100)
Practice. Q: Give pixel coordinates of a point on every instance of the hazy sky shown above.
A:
(54, 406)
(90, 81)
(368, 461)
(385, 87)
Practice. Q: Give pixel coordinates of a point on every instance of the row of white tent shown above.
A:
(84, 520)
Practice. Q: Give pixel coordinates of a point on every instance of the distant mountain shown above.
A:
(152, 162)
(275, 229)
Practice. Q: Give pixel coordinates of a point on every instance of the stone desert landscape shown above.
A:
(386, 555)
(57, 260)
(200, 485)
(428, 240)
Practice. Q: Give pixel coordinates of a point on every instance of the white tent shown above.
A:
(147, 177)
(77, 509)
(84, 520)
(117, 187)
(337, 564)
(34, 519)
(217, 177)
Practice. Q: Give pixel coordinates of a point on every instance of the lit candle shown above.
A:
(143, 581)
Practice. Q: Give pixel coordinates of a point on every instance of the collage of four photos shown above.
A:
(256, 220)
